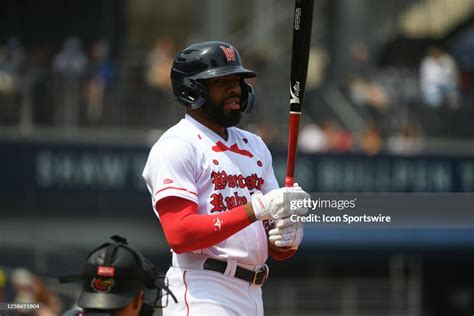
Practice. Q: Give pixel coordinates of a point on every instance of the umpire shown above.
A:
(115, 277)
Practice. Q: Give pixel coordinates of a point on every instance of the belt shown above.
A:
(255, 277)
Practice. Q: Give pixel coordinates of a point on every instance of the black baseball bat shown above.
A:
(302, 25)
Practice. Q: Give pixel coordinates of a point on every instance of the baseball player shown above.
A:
(115, 276)
(212, 185)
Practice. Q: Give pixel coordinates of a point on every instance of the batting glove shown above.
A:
(286, 233)
(276, 203)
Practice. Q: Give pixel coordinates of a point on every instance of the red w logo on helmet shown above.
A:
(229, 53)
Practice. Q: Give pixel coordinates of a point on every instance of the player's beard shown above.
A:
(218, 113)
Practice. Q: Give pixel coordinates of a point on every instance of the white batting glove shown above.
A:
(286, 233)
(275, 204)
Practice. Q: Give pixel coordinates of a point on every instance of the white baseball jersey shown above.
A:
(191, 161)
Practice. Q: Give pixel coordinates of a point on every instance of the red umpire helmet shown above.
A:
(207, 60)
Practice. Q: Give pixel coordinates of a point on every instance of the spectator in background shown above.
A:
(365, 92)
(50, 303)
(405, 142)
(159, 62)
(312, 139)
(102, 77)
(439, 79)
(157, 77)
(70, 66)
(329, 137)
(370, 97)
(30, 289)
(71, 61)
(371, 141)
(339, 140)
(22, 281)
(12, 60)
(3, 283)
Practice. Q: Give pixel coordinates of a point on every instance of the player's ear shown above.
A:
(138, 300)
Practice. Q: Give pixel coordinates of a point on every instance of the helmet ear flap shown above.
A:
(193, 93)
(248, 97)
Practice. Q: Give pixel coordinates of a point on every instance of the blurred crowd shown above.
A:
(21, 286)
(400, 106)
(61, 89)
(80, 85)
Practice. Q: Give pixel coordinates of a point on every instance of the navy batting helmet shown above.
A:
(207, 60)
